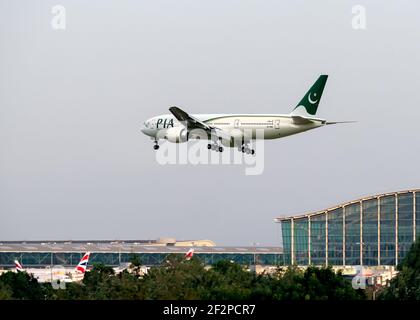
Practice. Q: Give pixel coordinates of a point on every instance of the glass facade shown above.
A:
(286, 229)
(405, 224)
(335, 236)
(301, 236)
(370, 232)
(318, 239)
(417, 214)
(352, 233)
(387, 223)
(66, 259)
(377, 230)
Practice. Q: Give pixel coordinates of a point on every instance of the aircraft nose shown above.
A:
(146, 131)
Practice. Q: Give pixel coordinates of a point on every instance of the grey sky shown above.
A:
(73, 164)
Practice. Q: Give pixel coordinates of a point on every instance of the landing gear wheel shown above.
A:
(215, 147)
(156, 146)
(252, 151)
(243, 149)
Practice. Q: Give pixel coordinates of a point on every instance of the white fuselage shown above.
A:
(56, 273)
(272, 126)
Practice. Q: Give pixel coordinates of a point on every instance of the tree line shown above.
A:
(179, 279)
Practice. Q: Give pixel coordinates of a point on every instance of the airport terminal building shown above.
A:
(39, 254)
(372, 231)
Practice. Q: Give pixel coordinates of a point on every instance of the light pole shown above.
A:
(254, 244)
(51, 264)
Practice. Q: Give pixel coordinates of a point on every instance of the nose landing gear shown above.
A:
(156, 146)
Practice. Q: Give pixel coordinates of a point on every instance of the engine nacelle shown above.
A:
(235, 140)
(176, 134)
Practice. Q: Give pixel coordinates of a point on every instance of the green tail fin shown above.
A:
(310, 101)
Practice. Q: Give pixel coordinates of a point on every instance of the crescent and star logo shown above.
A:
(310, 100)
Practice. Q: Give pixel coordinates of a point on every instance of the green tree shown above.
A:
(22, 286)
(325, 284)
(73, 291)
(135, 260)
(175, 279)
(406, 285)
(314, 284)
(181, 279)
(288, 286)
(6, 292)
(127, 286)
(228, 281)
(135, 264)
(97, 283)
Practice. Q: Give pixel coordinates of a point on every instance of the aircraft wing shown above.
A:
(193, 123)
(187, 120)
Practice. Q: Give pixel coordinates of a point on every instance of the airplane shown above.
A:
(80, 270)
(81, 267)
(189, 254)
(46, 274)
(18, 266)
(141, 270)
(238, 130)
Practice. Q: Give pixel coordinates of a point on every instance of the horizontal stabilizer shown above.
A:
(338, 122)
(300, 120)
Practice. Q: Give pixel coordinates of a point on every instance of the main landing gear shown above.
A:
(245, 148)
(215, 146)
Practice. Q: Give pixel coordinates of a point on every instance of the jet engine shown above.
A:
(176, 134)
(235, 139)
